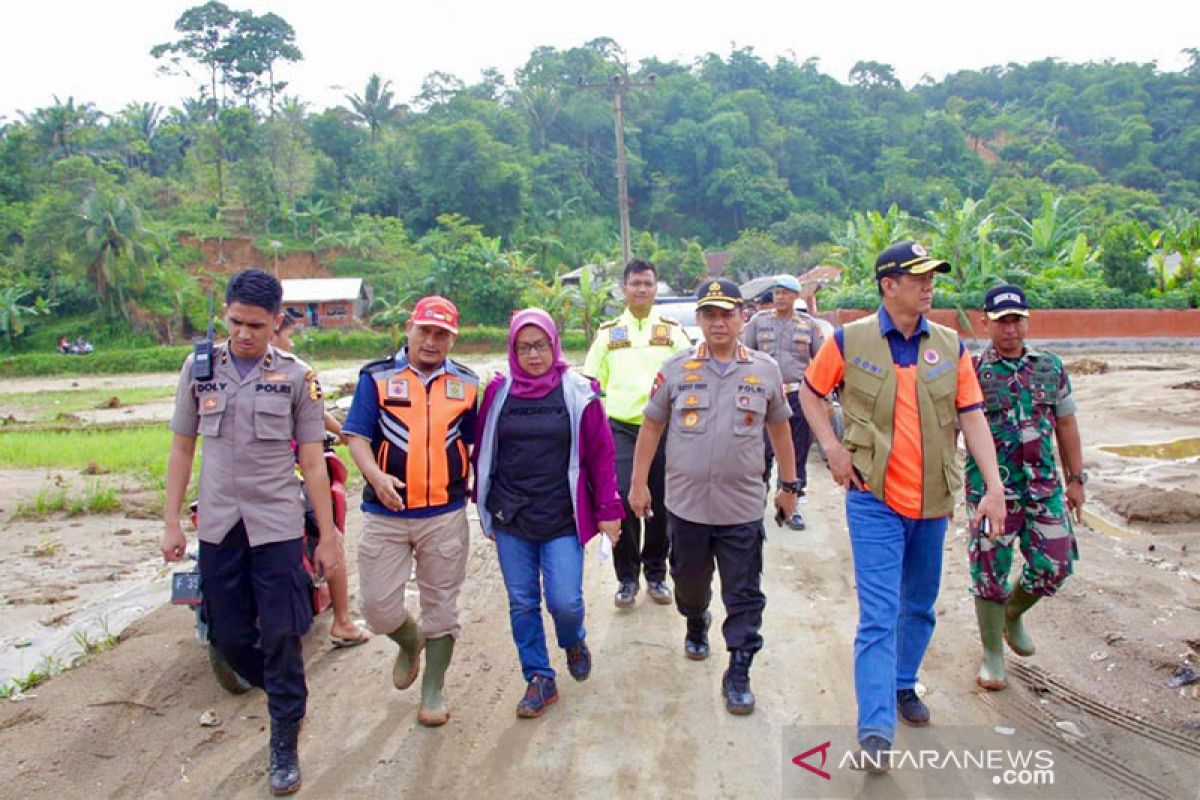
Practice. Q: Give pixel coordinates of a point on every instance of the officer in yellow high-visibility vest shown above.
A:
(624, 358)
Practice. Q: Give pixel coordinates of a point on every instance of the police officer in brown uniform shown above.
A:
(792, 338)
(257, 600)
(714, 400)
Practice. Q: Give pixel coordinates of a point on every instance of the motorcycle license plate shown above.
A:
(185, 589)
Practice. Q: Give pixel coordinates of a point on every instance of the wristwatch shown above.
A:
(795, 487)
(1081, 478)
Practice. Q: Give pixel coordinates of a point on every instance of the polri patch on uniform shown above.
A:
(931, 356)
(618, 337)
(397, 389)
(692, 400)
(455, 390)
(743, 401)
(660, 335)
(314, 388)
(691, 419)
(209, 403)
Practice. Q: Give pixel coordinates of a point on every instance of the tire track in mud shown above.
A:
(1041, 684)
(1101, 759)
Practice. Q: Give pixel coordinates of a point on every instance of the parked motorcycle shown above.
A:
(186, 588)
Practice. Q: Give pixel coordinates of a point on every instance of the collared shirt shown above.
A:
(248, 424)
(792, 342)
(1023, 398)
(625, 357)
(715, 455)
(905, 464)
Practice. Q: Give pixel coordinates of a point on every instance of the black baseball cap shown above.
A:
(719, 292)
(1004, 300)
(907, 257)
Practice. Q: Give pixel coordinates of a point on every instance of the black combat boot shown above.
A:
(695, 644)
(735, 683)
(285, 758)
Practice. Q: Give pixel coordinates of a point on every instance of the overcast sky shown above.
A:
(98, 51)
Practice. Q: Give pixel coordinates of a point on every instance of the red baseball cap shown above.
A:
(437, 312)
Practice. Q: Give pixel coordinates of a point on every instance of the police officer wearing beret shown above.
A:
(257, 592)
(624, 359)
(792, 338)
(1030, 406)
(713, 401)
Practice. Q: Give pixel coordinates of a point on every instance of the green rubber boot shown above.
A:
(1019, 601)
(408, 660)
(990, 616)
(437, 658)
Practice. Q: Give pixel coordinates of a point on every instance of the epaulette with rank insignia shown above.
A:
(609, 323)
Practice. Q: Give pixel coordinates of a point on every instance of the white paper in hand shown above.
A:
(605, 548)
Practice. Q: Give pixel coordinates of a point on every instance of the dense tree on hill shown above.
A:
(1051, 173)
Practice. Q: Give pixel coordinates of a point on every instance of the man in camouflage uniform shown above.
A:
(1029, 405)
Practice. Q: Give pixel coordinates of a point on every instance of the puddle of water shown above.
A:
(1168, 451)
(136, 597)
(1099, 523)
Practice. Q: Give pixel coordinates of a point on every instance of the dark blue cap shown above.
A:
(1004, 300)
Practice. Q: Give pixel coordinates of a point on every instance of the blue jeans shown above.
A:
(898, 569)
(527, 566)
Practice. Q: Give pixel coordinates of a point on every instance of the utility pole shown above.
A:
(620, 85)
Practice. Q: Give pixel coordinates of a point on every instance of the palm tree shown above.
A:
(60, 128)
(110, 241)
(375, 108)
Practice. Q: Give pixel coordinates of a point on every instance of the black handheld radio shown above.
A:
(202, 353)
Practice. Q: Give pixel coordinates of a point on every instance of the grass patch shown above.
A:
(137, 450)
(89, 646)
(95, 499)
(36, 677)
(48, 406)
(102, 362)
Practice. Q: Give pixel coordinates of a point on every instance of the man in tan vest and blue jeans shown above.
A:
(905, 382)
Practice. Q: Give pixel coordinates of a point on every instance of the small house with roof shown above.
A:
(326, 302)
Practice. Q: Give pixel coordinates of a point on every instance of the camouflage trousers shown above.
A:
(1047, 541)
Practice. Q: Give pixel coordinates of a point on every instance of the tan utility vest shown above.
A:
(869, 406)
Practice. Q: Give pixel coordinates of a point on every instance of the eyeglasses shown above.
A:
(540, 346)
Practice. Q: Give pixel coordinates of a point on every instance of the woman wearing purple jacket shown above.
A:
(545, 484)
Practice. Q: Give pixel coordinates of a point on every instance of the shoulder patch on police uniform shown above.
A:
(618, 337)
(660, 335)
(314, 385)
(669, 320)
(608, 324)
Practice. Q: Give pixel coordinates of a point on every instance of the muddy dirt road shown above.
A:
(649, 723)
